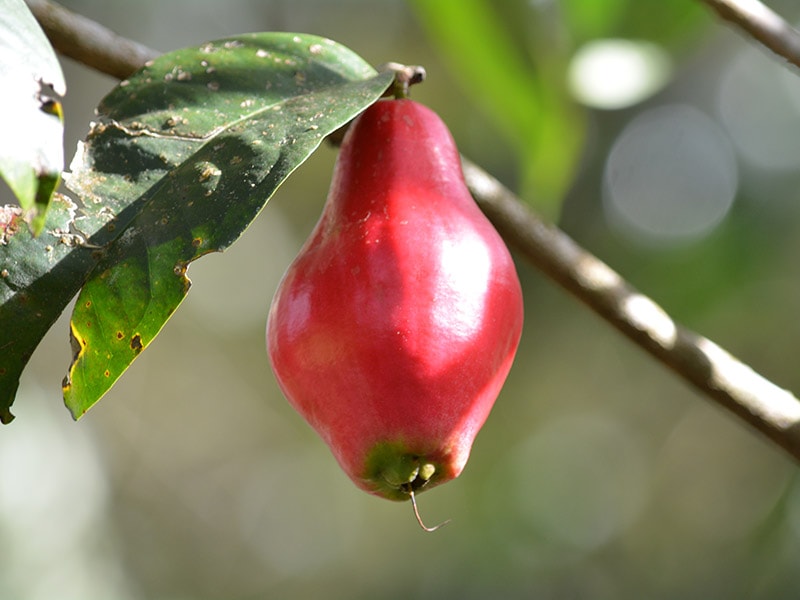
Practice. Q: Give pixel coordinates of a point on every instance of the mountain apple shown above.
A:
(393, 330)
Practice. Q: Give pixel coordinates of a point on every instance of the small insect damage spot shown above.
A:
(177, 73)
(208, 176)
(174, 121)
(136, 343)
(52, 107)
(77, 343)
(179, 270)
(10, 217)
(49, 96)
(207, 171)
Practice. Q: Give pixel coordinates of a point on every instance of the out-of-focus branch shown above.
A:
(771, 410)
(762, 23)
(88, 42)
(730, 383)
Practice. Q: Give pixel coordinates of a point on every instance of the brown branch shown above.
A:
(89, 42)
(735, 386)
(763, 24)
(730, 383)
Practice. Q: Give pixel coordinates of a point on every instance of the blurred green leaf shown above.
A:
(183, 157)
(590, 19)
(470, 35)
(31, 147)
(525, 96)
(669, 24)
(652, 20)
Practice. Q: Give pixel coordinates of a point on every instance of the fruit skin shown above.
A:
(395, 327)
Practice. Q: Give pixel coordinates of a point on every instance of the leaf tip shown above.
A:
(5, 416)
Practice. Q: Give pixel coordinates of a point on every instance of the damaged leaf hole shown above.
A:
(49, 99)
(208, 172)
(174, 121)
(9, 222)
(136, 343)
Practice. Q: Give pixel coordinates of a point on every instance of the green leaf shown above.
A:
(185, 155)
(31, 147)
(201, 138)
(38, 276)
(665, 23)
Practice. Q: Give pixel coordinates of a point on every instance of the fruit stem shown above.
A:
(404, 77)
(419, 519)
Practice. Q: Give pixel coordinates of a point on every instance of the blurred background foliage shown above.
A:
(660, 139)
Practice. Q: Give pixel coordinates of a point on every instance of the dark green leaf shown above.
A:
(186, 154)
(31, 147)
(38, 276)
(183, 157)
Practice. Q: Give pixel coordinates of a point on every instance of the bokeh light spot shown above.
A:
(759, 103)
(616, 73)
(670, 176)
(713, 481)
(582, 481)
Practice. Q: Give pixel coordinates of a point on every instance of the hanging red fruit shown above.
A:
(395, 327)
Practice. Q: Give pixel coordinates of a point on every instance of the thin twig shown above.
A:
(762, 23)
(88, 42)
(730, 383)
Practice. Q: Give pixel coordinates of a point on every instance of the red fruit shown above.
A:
(393, 330)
